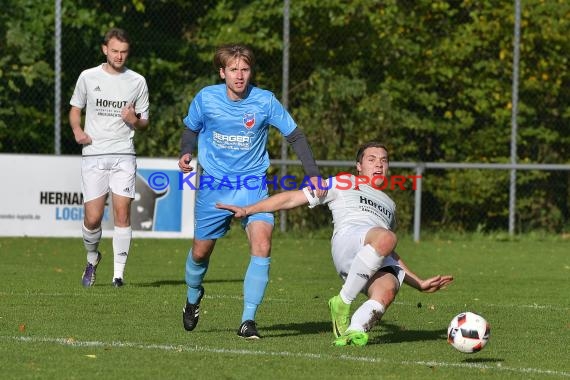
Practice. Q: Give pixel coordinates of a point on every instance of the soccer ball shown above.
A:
(468, 332)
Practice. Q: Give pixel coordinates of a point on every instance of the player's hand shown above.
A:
(239, 212)
(319, 188)
(128, 114)
(436, 283)
(184, 163)
(81, 137)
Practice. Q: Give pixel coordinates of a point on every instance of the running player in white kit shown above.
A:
(363, 243)
(117, 105)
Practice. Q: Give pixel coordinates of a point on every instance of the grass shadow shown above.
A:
(397, 334)
(157, 284)
(293, 329)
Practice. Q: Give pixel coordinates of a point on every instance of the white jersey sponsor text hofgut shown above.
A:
(105, 95)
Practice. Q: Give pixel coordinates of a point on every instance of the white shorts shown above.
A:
(345, 246)
(99, 174)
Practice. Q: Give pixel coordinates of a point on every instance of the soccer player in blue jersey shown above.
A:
(228, 123)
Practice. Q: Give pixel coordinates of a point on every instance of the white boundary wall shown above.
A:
(40, 195)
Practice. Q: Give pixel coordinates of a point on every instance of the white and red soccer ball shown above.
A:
(468, 332)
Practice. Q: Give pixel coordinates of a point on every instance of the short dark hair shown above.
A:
(370, 144)
(117, 33)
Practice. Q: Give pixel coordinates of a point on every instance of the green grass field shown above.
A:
(53, 328)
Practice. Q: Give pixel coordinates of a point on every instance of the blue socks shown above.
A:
(195, 273)
(254, 285)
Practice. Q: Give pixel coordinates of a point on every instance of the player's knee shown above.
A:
(384, 241)
(122, 218)
(199, 256)
(92, 223)
(202, 249)
(261, 249)
(392, 240)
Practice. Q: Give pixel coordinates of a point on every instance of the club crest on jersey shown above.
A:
(249, 120)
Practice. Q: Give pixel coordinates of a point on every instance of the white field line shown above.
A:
(304, 355)
(505, 306)
(272, 299)
(77, 294)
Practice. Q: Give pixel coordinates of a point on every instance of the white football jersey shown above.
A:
(353, 206)
(105, 95)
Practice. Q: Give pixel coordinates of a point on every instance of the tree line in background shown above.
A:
(432, 79)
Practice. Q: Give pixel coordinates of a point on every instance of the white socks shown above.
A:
(121, 245)
(91, 239)
(365, 264)
(366, 316)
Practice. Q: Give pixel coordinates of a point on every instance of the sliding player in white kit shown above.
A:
(363, 243)
(117, 104)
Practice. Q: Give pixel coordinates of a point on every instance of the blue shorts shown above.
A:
(212, 223)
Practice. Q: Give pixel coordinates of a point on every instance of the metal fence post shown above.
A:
(514, 111)
(418, 202)
(285, 101)
(57, 72)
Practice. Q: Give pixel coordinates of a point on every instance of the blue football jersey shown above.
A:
(232, 135)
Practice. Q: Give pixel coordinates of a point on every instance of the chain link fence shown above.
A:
(335, 56)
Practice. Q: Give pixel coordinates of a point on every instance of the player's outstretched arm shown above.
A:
(428, 285)
(281, 201)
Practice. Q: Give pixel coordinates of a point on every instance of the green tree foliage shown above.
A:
(432, 79)
(26, 74)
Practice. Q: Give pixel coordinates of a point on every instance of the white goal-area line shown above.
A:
(304, 355)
